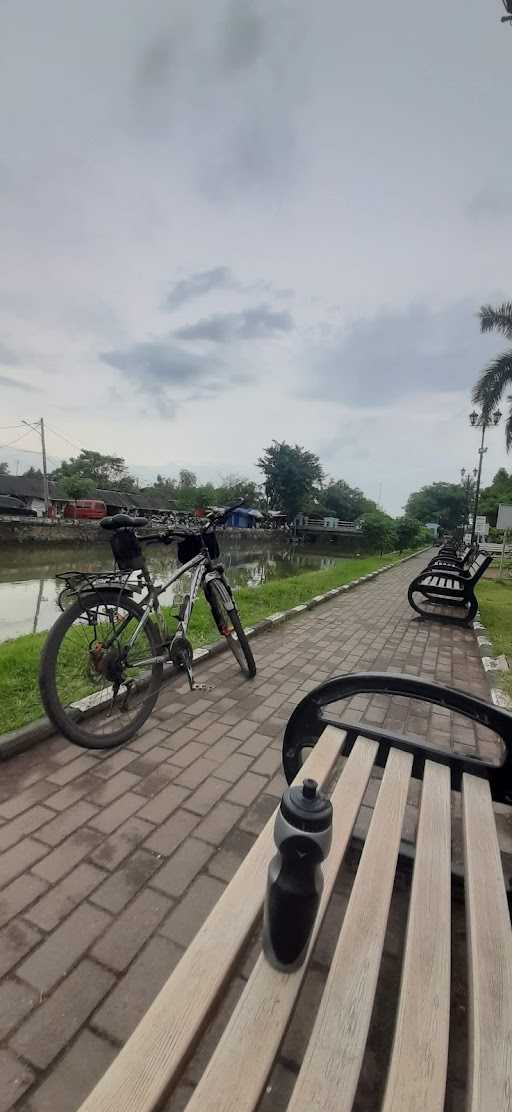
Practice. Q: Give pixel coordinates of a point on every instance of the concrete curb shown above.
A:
(491, 663)
(17, 741)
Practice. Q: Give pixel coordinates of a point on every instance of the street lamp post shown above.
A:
(477, 420)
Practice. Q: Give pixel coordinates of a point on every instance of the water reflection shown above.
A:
(29, 589)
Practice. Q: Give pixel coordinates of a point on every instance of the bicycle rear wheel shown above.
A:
(229, 625)
(95, 688)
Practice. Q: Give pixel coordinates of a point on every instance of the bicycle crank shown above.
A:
(182, 656)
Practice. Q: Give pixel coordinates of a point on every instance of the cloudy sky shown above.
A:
(238, 220)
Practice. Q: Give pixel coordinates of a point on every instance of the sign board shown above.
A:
(480, 522)
(504, 520)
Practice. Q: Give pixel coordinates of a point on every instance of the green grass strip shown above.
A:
(19, 659)
(495, 603)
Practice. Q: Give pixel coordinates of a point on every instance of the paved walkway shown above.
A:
(109, 864)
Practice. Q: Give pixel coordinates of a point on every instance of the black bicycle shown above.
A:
(103, 661)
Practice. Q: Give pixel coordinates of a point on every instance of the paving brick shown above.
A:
(212, 733)
(255, 745)
(65, 823)
(73, 792)
(19, 858)
(233, 768)
(242, 730)
(75, 1075)
(119, 888)
(15, 1079)
(269, 763)
(195, 708)
(16, 1001)
(143, 742)
(164, 804)
(172, 833)
(184, 921)
(12, 832)
(222, 749)
(71, 771)
(20, 802)
(187, 754)
(18, 895)
(16, 939)
(301, 1025)
(131, 930)
(183, 866)
(130, 1000)
(194, 775)
(277, 785)
(246, 790)
(219, 821)
(105, 792)
(258, 814)
(156, 780)
(69, 942)
(47, 1031)
(179, 739)
(112, 817)
(145, 764)
(61, 860)
(127, 837)
(209, 793)
(224, 865)
(108, 766)
(61, 900)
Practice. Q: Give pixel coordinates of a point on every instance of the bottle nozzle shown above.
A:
(309, 789)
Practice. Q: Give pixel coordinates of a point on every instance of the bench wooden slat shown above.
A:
(332, 1063)
(417, 1075)
(144, 1069)
(490, 955)
(258, 1023)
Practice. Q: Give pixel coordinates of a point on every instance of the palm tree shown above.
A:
(495, 379)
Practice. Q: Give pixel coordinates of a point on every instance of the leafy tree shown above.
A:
(187, 479)
(497, 377)
(4, 468)
(234, 488)
(290, 476)
(442, 502)
(109, 472)
(74, 486)
(345, 502)
(378, 531)
(408, 531)
(500, 490)
(33, 473)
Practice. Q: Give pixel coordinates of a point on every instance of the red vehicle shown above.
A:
(85, 509)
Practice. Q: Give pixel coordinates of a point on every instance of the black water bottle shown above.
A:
(302, 832)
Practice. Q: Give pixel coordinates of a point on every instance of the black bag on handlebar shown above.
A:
(192, 545)
(127, 550)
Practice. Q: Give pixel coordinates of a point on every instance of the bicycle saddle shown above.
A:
(123, 521)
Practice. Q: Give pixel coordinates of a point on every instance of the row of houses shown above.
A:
(29, 489)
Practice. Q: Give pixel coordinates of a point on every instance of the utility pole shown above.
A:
(34, 426)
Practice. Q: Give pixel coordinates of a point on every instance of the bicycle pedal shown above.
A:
(203, 686)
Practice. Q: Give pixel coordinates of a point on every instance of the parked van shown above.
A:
(85, 509)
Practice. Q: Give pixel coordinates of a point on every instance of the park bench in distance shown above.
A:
(149, 1066)
(448, 596)
(457, 561)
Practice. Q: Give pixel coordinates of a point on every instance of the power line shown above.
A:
(65, 438)
(11, 442)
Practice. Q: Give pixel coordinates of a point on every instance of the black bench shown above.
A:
(460, 562)
(435, 589)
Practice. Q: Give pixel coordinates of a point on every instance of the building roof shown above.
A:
(25, 486)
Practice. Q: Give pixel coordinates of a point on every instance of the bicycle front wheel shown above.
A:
(229, 625)
(96, 688)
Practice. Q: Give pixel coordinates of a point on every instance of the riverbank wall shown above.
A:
(32, 532)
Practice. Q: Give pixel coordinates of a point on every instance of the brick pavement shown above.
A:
(109, 864)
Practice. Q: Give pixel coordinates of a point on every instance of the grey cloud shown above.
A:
(8, 357)
(257, 323)
(491, 203)
(199, 284)
(15, 384)
(244, 35)
(383, 358)
(158, 365)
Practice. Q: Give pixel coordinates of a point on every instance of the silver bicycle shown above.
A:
(103, 661)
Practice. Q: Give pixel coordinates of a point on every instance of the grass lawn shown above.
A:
(495, 602)
(19, 659)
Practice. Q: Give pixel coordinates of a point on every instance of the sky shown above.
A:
(234, 221)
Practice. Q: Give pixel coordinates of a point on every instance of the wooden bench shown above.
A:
(149, 1066)
(453, 592)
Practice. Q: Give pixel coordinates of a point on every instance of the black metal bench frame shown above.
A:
(460, 596)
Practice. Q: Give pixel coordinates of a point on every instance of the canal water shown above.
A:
(29, 588)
